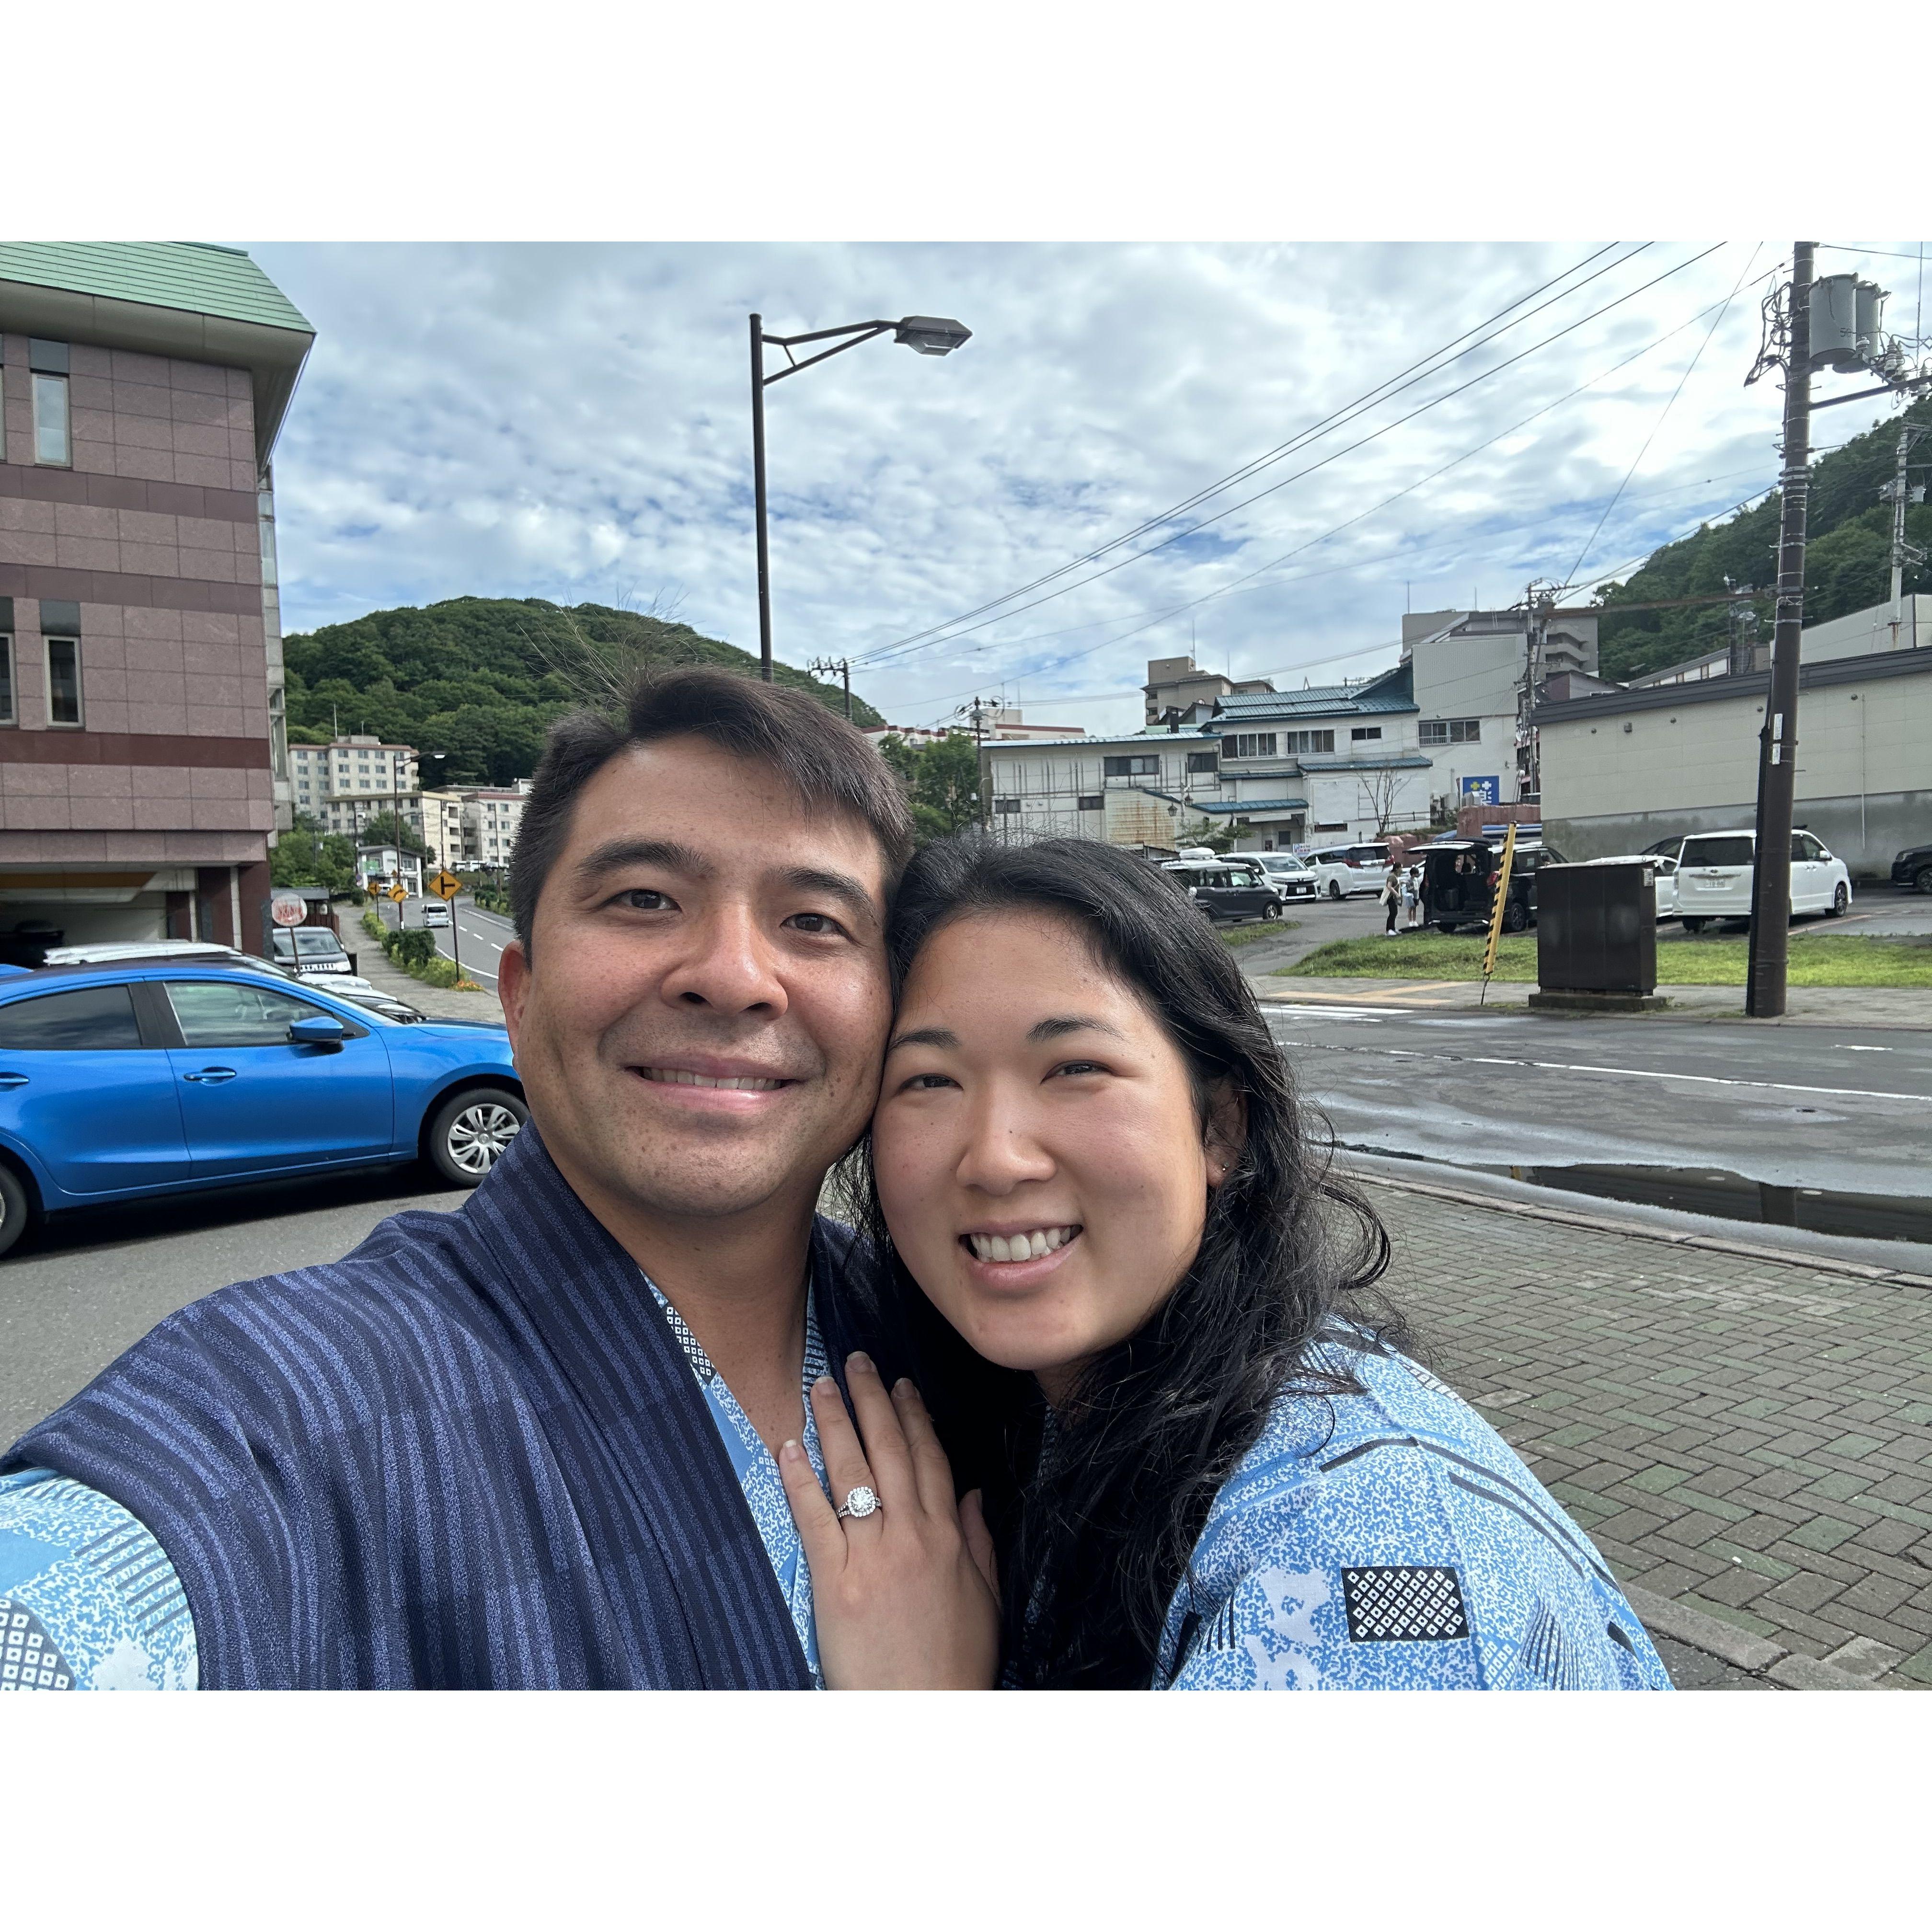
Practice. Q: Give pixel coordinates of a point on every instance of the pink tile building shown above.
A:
(143, 764)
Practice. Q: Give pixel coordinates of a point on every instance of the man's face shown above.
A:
(700, 1026)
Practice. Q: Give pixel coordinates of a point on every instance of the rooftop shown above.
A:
(200, 278)
(1393, 690)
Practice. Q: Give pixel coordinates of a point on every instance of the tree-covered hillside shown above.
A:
(1847, 558)
(480, 679)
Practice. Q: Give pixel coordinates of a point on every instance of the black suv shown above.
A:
(1913, 867)
(1458, 882)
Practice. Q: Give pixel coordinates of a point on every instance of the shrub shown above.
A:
(372, 924)
(437, 972)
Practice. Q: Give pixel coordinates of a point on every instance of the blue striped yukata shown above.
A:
(471, 1454)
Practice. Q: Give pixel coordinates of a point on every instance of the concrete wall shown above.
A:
(1864, 778)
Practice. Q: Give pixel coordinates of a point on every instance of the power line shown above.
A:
(1697, 358)
(1275, 563)
(1391, 385)
(904, 646)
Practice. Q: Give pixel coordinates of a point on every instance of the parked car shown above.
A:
(348, 985)
(1227, 888)
(1912, 868)
(311, 949)
(1663, 868)
(1292, 877)
(1459, 881)
(155, 1077)
(1715, 869)
(1342, 870)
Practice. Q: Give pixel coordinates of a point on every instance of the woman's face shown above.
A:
(1039, 1157)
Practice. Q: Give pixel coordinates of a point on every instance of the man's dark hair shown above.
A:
(828, 764)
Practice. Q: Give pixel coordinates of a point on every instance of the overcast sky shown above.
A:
(572, 421)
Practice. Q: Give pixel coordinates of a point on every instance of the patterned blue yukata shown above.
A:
(89, 1601)
(1392, 1541)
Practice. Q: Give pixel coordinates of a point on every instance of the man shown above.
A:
(530, 1443)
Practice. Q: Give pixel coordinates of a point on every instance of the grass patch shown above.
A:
(1261, 928)
(1820, 959)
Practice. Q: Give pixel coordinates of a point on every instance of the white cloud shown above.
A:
(570, 421)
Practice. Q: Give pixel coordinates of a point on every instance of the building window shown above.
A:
(47, 364)
(6, 681)
(1130, 768)
(1308, 741)
(1006, 804)
(63, 680)
(1361, 733)
(1204, 761)
(1254, 744)
(1089, 802)
(1452, 731)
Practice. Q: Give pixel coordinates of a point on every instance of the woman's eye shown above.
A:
(928, 1083)
(1075, 1067)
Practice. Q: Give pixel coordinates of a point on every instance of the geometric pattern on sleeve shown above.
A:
(1403, 1603)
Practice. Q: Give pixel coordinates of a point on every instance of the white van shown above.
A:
(1341, 870)
(1714, 871)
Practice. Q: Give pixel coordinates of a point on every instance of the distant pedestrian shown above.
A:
(1392, 898)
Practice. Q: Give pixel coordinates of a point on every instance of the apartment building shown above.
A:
(143, 770)
(491, 821)
(441, 828)
(344, 784)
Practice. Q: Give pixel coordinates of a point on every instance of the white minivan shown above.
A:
(1341, 870)
(1714, 877)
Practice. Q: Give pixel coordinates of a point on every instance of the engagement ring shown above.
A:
(861, 1502)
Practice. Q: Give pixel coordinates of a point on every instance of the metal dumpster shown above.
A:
(1596, 928)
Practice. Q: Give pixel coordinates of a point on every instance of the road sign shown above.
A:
(398, 893)
(288, 908)
(445, 885)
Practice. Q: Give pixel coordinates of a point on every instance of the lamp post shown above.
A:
(929, 335)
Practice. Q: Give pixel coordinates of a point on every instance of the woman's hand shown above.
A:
(905, 1598)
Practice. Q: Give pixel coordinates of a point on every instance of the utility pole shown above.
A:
(758, 497)
(1778, 742)
(979, 763)
(1902, 552)
(844, 667)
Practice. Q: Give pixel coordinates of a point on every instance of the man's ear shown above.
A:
(1225, 1134)
(513, 988)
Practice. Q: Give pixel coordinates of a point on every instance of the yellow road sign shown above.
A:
(445, 885)
(398, 894)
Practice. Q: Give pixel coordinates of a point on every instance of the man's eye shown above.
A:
(814, 922)
(644, 899)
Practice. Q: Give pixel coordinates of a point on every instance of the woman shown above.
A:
(1205, 1463)
(1391, 897)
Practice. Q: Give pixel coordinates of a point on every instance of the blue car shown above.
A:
(119, 1082)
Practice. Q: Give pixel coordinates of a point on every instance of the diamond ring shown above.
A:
(860, 1501)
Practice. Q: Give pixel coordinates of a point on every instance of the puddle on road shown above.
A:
(1732, 1197)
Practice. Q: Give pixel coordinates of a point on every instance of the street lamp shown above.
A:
(929, 335)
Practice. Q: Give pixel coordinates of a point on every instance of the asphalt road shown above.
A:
(1839, 1108)
(72, 1295)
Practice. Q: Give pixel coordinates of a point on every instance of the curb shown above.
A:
(1757, 1656)
(1670, 1236)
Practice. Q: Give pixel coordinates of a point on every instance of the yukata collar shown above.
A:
(585, 1298)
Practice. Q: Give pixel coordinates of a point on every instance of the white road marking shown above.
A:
(1644, 1073)
(1842, 1047)
(1328, 1012)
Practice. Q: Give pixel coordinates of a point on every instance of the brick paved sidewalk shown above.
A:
(1751, 1438)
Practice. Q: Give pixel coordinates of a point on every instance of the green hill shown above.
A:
(482, 678)
(1847, 557)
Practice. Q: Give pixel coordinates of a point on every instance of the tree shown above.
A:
(942, 782)
(384, 829)
(305, 856)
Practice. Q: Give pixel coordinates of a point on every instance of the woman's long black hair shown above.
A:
(1094, 1538)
